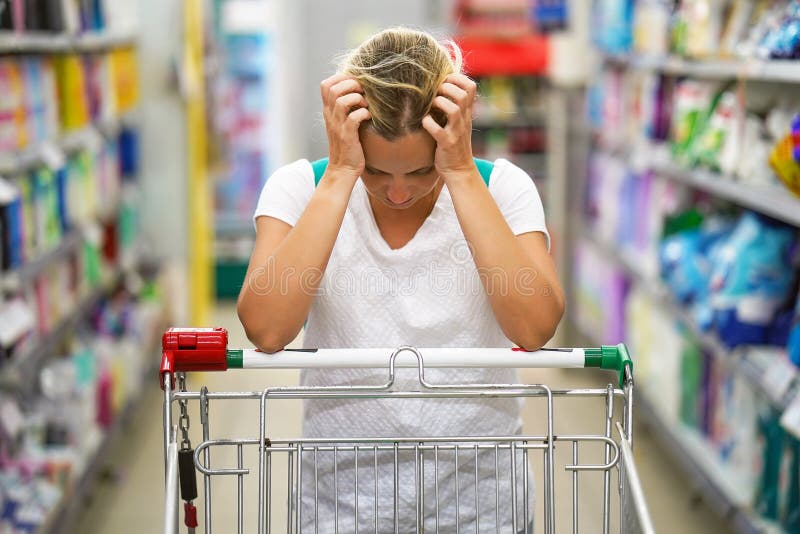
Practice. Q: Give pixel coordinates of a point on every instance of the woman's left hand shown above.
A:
(453, 141)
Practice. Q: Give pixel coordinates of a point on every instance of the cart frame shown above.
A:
(206, 350)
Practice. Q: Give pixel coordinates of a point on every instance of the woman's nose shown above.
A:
(398, 191)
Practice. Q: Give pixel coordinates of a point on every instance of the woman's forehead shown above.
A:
(414, 150)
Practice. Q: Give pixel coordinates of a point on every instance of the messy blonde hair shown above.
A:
(400, 70)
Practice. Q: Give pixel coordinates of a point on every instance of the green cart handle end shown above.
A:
(610, 357)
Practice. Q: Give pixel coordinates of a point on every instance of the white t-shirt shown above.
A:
(427, 293)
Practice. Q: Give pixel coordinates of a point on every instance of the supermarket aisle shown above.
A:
(130, 501)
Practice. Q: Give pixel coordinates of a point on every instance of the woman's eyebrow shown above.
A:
(376, 170)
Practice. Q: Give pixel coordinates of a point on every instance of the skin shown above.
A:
(403, 178)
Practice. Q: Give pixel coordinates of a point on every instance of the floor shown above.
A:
(130, 499)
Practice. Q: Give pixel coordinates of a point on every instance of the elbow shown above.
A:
(260, 333)
(534, 335)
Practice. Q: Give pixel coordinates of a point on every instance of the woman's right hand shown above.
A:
(344, 109)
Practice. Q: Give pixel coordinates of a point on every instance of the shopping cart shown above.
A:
(287, 468)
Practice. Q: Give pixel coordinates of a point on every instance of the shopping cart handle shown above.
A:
(193, 349)
(205, 349)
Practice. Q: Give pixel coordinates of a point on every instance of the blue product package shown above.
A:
(752, 276)
(128, 144)
(793, 344)
(62, 181)
(687, 259)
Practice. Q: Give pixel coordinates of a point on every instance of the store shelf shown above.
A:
(770, 200)
(742, 360)
(43, 42)
(775, 201)
(12, 280)
(698, 460)
(19, 372)
(41, 154)
(787, 71)
(513, 121)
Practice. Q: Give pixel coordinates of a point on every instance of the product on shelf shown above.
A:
(785, 157)
(700, 29)
(614, 21)
(52, 16)
(751, 278)
(13, 134)
(72, 88)
(45, 445)
(600, 294)
(687, 262)
(793, 343)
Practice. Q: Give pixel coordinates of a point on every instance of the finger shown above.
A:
(345, 104)
(327, 83)
(348, 85)
(463, 81)
(456, 94)
(432, 127)
(450, 108)
(358, 116)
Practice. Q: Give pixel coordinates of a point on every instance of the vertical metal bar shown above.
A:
(206, 457)
(458, 503)
(422, 486)
(268, 485)
(547, 495)
(418, 484)
(525, 469)
(375, 457)
(436, 483)
(355, 461)
(396, 489)
(550, 516)
(240, 488)
(575, 488)
(316, 491)
(167, 416)
(335, 490)
(607, 474)
(513, 451)
(477, 504)
(497, 487)
(264, 497)
(289, 500)
(299, 487)
(629, 406)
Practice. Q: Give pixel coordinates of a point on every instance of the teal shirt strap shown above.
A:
(485, 167)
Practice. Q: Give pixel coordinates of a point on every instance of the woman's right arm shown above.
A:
(287, 263)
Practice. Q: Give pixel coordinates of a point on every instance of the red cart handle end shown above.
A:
(193, 349)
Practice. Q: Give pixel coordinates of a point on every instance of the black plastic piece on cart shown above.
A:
(188, 475)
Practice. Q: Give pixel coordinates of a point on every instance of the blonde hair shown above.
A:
(400, 70)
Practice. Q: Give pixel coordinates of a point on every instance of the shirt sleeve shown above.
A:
(286, 193)
(518, 199)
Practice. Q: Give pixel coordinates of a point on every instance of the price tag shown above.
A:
(11, 418)
(778, 376)
(94, 140)
(16, 319)
(790, 420)
(52, 155)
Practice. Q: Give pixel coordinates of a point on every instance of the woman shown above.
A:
(401, 242)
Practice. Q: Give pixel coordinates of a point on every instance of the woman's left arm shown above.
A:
(517, 271)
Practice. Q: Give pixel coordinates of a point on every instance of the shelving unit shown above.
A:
(769, 200)
(19, 373)
(741, 360)
(689, 450)
(119, 90)
(50, 43)
(39, 154)
(751, 70)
